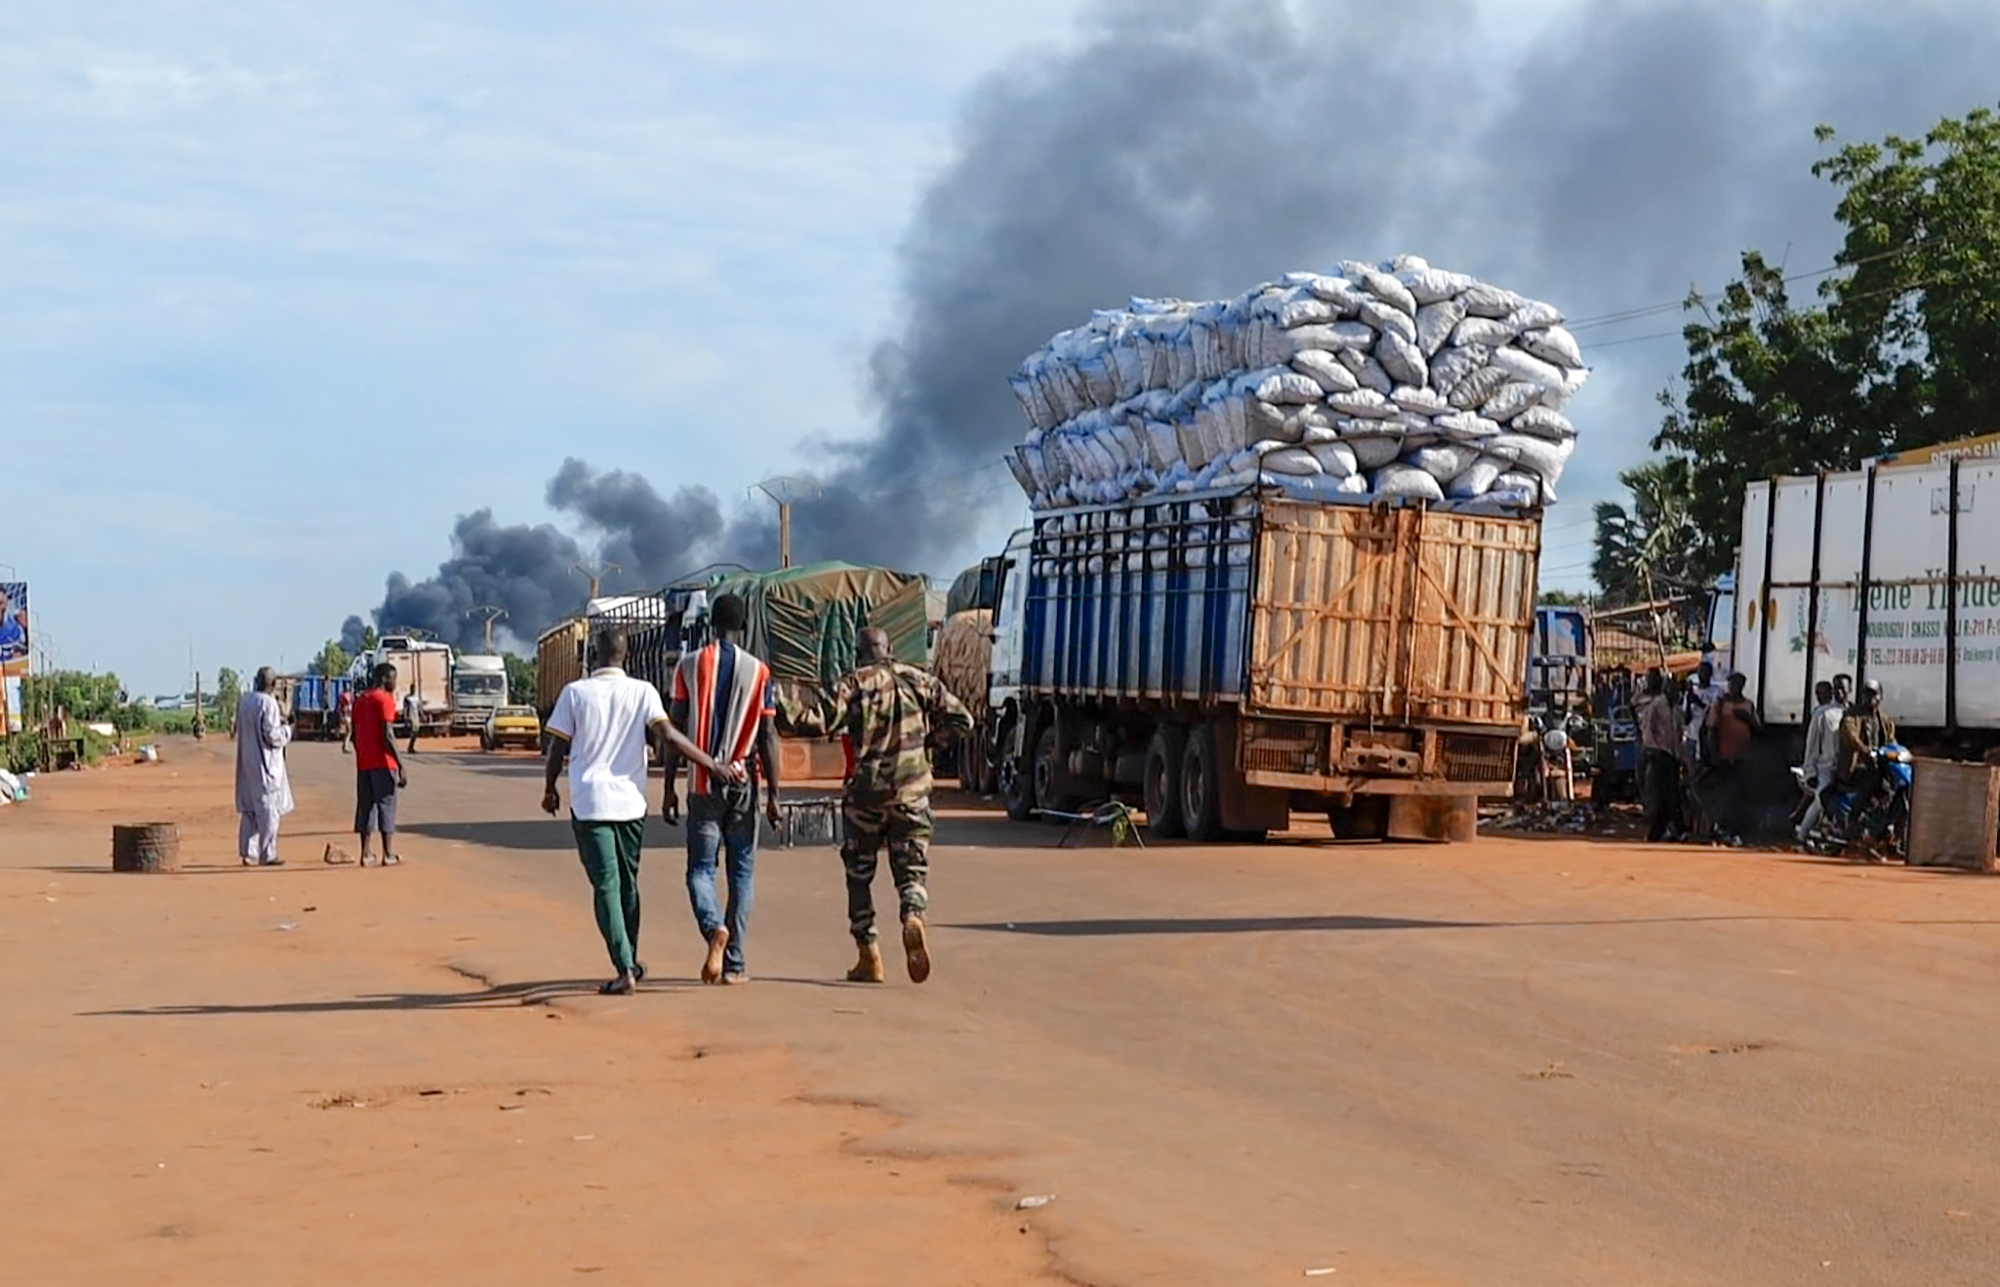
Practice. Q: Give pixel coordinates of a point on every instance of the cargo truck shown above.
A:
(423, 667)
(1229, 657)
(478, 688)
(1889, 572)
(316, 705)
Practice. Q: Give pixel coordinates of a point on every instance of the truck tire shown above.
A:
(1365, 819)
(1016, 778)
(1201, 785)
(1044, 771)
(1162, 783)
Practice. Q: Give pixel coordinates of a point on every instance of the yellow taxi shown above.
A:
(512, 726)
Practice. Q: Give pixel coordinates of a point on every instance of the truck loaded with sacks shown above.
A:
(1283, 556)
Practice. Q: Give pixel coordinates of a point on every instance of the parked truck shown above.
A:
(478, 688)
(1890, 572)
(1229, 657)
(316, 705)
(423, 667)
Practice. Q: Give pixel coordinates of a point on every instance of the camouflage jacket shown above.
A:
(887, 710)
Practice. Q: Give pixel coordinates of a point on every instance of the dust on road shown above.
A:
(1516, 1061)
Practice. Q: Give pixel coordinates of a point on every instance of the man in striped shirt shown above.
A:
(725, 703)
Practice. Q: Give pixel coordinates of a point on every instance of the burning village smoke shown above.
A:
(1195, 147)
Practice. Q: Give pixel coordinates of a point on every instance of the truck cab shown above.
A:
(1003, 591)
(478, 688)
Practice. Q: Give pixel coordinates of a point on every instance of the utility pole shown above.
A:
(594, 575)
(786, 492)
(490, 614)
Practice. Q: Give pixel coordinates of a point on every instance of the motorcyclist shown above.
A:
(1863, 731)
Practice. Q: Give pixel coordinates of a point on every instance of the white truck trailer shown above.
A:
(1890, 572)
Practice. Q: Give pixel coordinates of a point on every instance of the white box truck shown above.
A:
(1890, 572)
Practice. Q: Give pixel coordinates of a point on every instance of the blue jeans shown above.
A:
(712, 830)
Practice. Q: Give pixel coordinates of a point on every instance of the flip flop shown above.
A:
(618, 987)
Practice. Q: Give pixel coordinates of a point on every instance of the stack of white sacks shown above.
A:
(1398, 381)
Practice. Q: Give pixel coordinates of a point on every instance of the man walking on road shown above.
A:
(1659, 758)
(723, 701)
(378, 770)
(601, 725)
(263, 787)
(1822, 757)
(888, 709)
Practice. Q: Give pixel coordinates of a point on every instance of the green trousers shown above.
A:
(610, 853)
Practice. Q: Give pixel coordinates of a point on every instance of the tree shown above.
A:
(522, 677)
(332, 661)
(369, 639)
(228, 692)
(1651, 549)
(1901, 351)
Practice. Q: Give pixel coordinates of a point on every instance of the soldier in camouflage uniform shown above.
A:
(887, 709)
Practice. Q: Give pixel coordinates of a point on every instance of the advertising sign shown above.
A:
(14, 642)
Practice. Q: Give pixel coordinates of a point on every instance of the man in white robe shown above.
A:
(263, 788)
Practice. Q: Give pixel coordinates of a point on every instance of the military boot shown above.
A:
(868, 968)
(916, 948)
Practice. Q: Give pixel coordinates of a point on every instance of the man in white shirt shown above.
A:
(601, 725)
(1822, 757)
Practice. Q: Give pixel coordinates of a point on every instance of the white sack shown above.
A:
(1545, 423)
(1407, 480)
(1292, 460)
(1483, 300)
(1536, 455)
(1373, 375)
(1475, 480)
(1523, 365)
(1326, 371)
(1336, 458)
(1289, 388)
(1482, 330)
(1429, 285)
(1533, 314)
(1510, 400)
(1425, 402)
(1388, 319)
(1444, 461)
(1382, 286)
(1455, 363)
(1553, 344)
(1371, 451)
(1362, 402)
(1402, 359)
(1477, 387)
(1435, 324)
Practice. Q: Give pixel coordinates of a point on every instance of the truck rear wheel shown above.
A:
(1365, 819)
(1201, 785)
(1044, 771)
(1162, 783)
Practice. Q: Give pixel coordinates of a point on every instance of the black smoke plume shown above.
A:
(1604, 161)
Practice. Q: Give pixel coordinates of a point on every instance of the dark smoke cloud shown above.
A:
(1196, 147)
(527, 570)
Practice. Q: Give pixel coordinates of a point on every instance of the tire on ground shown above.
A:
(1162, 783)
(1201, 785)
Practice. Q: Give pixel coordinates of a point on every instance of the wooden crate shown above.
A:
(1954, 815)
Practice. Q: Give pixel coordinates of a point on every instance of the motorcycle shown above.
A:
(1870, 819)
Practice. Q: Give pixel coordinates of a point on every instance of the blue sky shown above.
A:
(289, 286)
(286, 288)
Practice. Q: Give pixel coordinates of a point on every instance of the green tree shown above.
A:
(1562, 599)
(369, 639)
(332, 661)
(522, 673)
(228, 692)
(1900, 351)
(1652, 548)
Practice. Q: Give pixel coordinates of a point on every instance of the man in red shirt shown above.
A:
(378, 770)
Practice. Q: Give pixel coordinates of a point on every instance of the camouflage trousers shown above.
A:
(905, 827)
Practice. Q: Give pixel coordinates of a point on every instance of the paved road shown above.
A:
(1513, 1062)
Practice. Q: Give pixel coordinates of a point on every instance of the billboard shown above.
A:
(14, 640)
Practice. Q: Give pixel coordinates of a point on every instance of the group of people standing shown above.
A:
(723, 721)
(263, 783)
(1702, 737)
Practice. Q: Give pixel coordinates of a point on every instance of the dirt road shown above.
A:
(1512, 1062)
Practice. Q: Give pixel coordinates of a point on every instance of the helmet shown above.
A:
(1872, 686)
